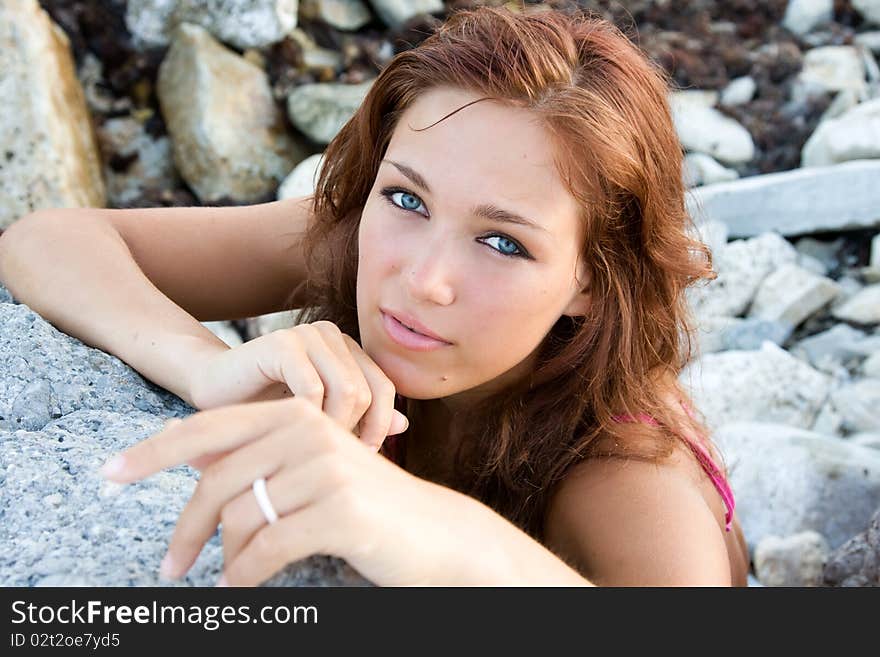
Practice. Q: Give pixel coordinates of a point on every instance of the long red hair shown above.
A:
(604, 103)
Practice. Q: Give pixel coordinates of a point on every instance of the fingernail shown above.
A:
(222, 581)
(166, 568)
(114, 466)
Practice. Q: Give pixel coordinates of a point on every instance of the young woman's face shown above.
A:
(492, 289)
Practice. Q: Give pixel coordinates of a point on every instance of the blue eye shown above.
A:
(414, 202)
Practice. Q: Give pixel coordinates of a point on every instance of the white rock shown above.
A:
(706, 130)
(791, 294)
(863, 307)
(871, 366)
(867, 439)
(49, 157)
(832, 68)
(796, 560)
(741, 266)
(843, 102)
(702, 169)
(858, 404)
(303, 178)
(801, 16)
(739, 91)
(875, 251)
(816, 199)
(839, 346)
(240, 23)
(788, 480)
(395, 13)
(854, 135)
(870, 40)
(767, 385)
(869, 9)
(320, 110)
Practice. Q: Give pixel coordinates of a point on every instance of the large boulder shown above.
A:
(64, 409)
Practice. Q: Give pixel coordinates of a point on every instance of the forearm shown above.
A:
(81, 277)
(498, 553)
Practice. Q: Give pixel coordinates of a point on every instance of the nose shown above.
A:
(428, 273)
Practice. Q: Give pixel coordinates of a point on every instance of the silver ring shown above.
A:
(262, 496)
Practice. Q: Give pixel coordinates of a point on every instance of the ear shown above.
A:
(580, 300)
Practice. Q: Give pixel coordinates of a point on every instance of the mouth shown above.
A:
(407, 336)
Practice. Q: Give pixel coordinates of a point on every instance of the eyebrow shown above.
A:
(486, 210)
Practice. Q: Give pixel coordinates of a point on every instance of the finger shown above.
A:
(209, 432)
(221, 483)
(288, 489)
(285, 359)
(377, 422)
(308, 531)
(346, 392)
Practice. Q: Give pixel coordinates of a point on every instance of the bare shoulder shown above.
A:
(634, 523)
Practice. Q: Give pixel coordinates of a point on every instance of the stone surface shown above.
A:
(50, 157)
(857, 562)
(395, 13)
(320, 110)
(796, 560)
(791, 294)
(863, 307)
(302, 180)
(788, 480)
(65, 409)
(802, 16)
(706, 130)
(854, 135)
(210, 97)
(240, 23)
(803, 201)
(767, 385)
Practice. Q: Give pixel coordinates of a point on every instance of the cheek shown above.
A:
(511, 308)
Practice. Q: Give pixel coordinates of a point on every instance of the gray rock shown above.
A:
(796, 560)
(701, 169)
(210, 97)
(788, 480)
(302, 180)
(839, 346)
(858, 405)
(320, 110)
(856, 562)
(64, 409)
(345, 15)
(725, 333)
(798, 202)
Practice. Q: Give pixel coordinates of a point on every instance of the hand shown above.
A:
(314, 361)
(332, 495)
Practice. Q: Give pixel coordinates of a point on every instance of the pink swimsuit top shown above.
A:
(705, 461)
(395, 449)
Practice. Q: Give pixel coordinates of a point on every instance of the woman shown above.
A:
(511, 187)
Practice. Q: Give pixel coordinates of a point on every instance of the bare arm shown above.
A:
(137, 283)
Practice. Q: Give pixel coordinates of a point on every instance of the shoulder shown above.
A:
(635, 523)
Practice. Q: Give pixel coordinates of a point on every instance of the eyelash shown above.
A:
(387, 192)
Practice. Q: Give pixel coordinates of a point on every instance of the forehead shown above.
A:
(487, 152)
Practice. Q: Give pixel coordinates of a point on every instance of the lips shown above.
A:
(413, 324)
